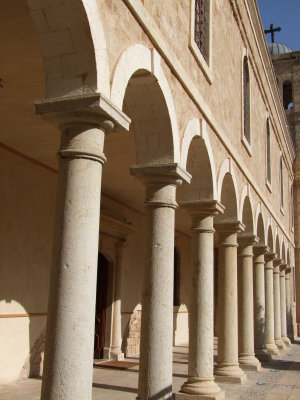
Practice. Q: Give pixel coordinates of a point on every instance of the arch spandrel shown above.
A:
(140, 87)
(73, 47)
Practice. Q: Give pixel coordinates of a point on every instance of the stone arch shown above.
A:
(139, 86)
(73, 46)
(270, 236)
(197, 158)
(260, 225)
(246, 209)
(288, 259)
(227, 190)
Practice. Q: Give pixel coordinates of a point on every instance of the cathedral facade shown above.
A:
(147, 190)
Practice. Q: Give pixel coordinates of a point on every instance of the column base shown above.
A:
(286, 341)
(272, 348)
(229, 374)
(262, 355)
(200, 389)
(279, 343)
(249, 363)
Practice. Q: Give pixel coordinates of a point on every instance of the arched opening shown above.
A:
(101, 305)
(260, 230)
(247, 216)
(277, 247)
(287, 96)
(229, 200)
(270, 240)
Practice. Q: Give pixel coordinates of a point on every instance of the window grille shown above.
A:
(202, 27)
(246, 94)
(268, 152)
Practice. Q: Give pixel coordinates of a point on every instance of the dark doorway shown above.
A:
(100, 318)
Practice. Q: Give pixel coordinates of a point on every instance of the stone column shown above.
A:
(247, 359)
(284, 336)
(200, 382)
(227, 369)
(155, 371)
(259, 303)
(116, 340)
(68, 366)
(277, 307)
(288, 302)
(270, 341)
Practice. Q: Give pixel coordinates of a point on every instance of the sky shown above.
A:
(283, 13)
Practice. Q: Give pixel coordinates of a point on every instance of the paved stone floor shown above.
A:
(279, 380)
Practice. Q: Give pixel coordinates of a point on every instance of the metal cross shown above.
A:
(272, 30)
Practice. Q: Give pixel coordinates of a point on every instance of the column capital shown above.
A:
(260, 250)
(228, 231)
(277, 262)
(270, 256)
(203, 207)
(283, 267)
(246, 239)
(91, 109)
(160, 181)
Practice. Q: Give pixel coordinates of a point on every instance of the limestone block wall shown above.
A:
(26, 213)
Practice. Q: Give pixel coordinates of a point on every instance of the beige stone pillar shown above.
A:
(269, 269)
(284, 336)
(247, 359)
(277, 308)
(200, 383)
(68, 365)
(155, 370)
(259, 303)
(116, 339)
(227, 369)
(288, 302)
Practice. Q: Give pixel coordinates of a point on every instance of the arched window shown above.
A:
(246, 99)
(201, 34)
(268, 155)
(287, 90)
(281, 182)
(176, 287)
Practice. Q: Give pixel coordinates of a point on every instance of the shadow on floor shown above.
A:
(113, 387)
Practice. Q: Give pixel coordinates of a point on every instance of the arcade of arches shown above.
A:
(129, 194)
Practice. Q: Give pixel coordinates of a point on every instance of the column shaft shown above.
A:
(284, 337)
(288, 304)
(68, 365)
(116, 341)
(277, 307)
(227, 368)
(201, 332)
(270, 341)
(247, 359)
(259, 304)
(156, 347)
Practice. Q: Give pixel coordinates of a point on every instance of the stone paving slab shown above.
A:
(279, 380)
